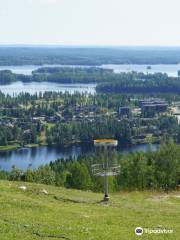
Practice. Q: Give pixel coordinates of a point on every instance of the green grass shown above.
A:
(76, 215)
(9, 147)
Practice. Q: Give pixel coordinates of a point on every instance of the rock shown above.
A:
(23, 187)
(44, 191)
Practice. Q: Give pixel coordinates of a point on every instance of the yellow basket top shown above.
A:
(105, 142)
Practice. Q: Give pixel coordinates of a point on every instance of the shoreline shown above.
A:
(10, 148)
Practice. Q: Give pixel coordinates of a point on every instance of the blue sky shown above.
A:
(90, 22)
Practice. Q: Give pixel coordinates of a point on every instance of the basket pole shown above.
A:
(106, 193)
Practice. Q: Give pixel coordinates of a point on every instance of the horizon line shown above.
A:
(86, 45)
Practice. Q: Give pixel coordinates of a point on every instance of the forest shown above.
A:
(157, 83)
(91, 56)
(106, 80)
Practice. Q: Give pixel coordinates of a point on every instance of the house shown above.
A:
(124, 112)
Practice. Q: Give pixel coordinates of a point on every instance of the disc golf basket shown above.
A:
(106, 168)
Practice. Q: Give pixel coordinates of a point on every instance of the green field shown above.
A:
(76, 215)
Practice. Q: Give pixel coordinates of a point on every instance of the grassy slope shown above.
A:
(77, 215)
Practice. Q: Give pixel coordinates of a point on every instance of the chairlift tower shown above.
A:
(105, 168)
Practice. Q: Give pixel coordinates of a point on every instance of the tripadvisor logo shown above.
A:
(139, 231)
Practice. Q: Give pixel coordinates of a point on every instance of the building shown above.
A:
(148, 108)
(156, 106)
(124, 112)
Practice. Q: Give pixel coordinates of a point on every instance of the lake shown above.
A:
(34, 87)
(170, 69)
(34, 157)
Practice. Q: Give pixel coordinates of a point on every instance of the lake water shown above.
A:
(34, 87)
(35, 157)
(170, 69)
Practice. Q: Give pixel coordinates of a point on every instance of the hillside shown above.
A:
(76, 215)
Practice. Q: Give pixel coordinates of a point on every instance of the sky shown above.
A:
(90, 22)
